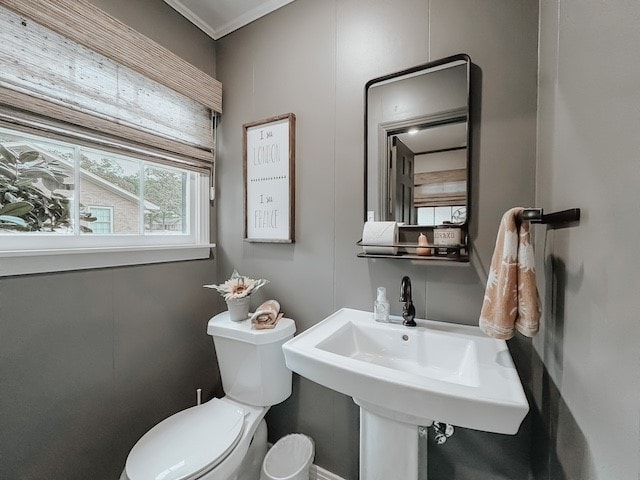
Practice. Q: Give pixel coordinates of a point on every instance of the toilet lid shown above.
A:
(188, 443)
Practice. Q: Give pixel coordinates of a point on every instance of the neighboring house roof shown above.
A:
(65, 163)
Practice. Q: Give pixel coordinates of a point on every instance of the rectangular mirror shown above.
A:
(417, 144)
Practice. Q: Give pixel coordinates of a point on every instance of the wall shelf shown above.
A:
(408, 244)
(426, 258)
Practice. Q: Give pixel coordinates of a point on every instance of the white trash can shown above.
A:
(289, 459)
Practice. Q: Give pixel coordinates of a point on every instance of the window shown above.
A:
(56, 196)
(103, 219)
(431, 216)
(106, 143)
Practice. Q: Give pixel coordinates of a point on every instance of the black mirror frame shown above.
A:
(453, 58)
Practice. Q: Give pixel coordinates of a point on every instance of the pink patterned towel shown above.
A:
(511, 299)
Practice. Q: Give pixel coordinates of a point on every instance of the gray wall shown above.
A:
(313, 58)
(91, 360)
(161, 23)
(586, 381)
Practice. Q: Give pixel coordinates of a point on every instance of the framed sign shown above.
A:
(269, 179)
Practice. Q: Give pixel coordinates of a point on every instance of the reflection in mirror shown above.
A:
(417, 156)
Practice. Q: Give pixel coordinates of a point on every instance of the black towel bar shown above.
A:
(561, 219)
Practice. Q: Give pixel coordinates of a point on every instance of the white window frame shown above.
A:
(36, 252)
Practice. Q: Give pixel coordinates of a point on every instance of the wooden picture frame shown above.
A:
(268, 156)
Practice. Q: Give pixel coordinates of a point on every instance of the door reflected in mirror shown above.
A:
(417, 155)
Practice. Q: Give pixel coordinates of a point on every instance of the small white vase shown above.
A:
(238, 308)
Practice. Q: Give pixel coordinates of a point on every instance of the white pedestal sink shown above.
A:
(403, 377)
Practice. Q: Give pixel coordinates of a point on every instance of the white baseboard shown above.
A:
(319, 473)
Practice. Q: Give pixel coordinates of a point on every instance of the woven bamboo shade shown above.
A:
(88, 25)
(74, 89)
(89, 122)
(440, 188)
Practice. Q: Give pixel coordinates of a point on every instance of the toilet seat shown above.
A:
(188, 444)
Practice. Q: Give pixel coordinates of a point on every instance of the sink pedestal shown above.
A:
(388, 446)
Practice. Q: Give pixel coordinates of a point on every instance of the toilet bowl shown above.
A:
(224, 438)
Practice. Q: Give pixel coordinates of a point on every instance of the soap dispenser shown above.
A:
(381, 306)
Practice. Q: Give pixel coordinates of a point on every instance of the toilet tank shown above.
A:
(251, 361)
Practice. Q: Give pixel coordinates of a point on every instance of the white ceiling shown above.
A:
(436, 138)
(217, 18)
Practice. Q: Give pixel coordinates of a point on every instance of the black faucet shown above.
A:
(408, 310)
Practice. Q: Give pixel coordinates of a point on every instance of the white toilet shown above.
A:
(224, 438)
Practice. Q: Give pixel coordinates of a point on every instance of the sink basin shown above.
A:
(435, 371)
(446, 358)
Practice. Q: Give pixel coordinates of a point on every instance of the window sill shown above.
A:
(59, 260)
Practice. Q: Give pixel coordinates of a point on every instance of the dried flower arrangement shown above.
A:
(238, 286)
